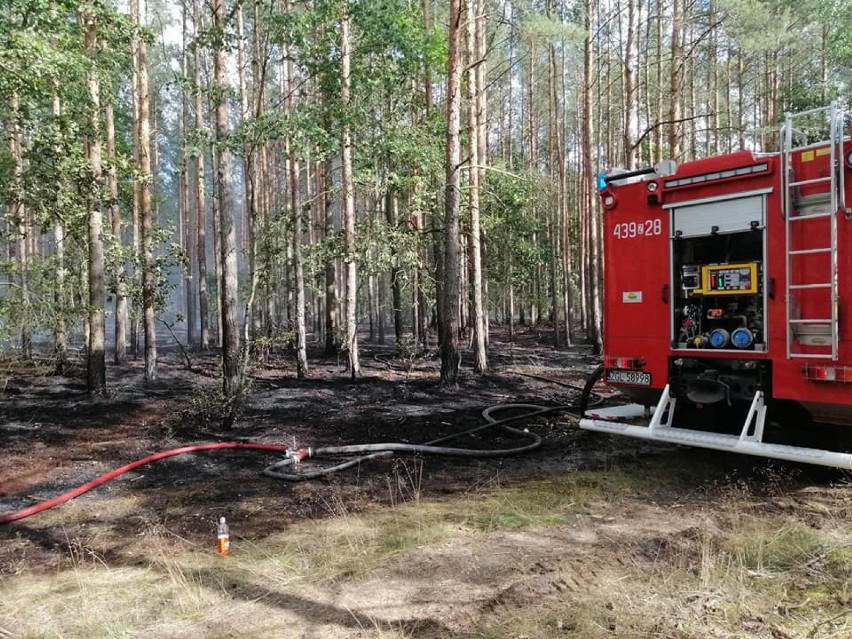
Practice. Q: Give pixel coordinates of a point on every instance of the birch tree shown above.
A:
(348, 198)
(475, 173)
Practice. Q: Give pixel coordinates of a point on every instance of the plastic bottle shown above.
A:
(223, 542)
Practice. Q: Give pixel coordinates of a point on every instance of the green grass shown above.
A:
(557, 500)
(741, 572)
(776, 545)
(838, 562)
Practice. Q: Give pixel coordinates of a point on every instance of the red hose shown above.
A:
(50, 503)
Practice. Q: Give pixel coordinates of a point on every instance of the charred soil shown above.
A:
(56, 437)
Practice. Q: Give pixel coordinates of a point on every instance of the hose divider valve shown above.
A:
(298, 454)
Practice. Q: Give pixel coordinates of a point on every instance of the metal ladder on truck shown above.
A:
(820, 204)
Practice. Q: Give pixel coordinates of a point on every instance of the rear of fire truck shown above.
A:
(725, 285)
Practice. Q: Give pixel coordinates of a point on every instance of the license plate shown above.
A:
(634, 378)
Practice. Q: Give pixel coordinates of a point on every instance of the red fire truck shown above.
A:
(728, 297)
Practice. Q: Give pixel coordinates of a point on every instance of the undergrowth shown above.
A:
(742, 557)
(207, 409)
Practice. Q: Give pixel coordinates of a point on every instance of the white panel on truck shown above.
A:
(728, 215)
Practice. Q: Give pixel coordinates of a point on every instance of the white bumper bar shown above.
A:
(748, 442)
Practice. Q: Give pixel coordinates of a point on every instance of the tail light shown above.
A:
(626, 363)
(818, 373)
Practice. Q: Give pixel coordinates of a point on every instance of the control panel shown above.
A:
(729, 279)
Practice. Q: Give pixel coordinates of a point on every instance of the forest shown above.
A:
(243, 242)
(268, 174)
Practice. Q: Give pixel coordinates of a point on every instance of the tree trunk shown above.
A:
(198, 191)
(294, 171)
(120, 292)
(511, 310)
(392, 217)
(298, 271)
(713, 85)
(566, 205)
(348, 202)
(373, 309)
(480, 356)
(631, 117)
(134, 267)
(675, 80)
(329, 275)
(657, 135)
(231, 378)
(19, 216)
(216, 214)
(95, 354)
(594, 261)
(149, 283)
(450, 324)
(420, 218)
(60, 334)
(482, 137)
(253, 320)
(555, 207)
(188, 233)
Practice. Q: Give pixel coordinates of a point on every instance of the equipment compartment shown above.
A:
(719, 279)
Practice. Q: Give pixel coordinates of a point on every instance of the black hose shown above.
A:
(587, 391)
(431, 447)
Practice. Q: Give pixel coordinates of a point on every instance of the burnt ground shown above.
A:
(55, 438)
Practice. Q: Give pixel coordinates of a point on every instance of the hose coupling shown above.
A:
(299, 454)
